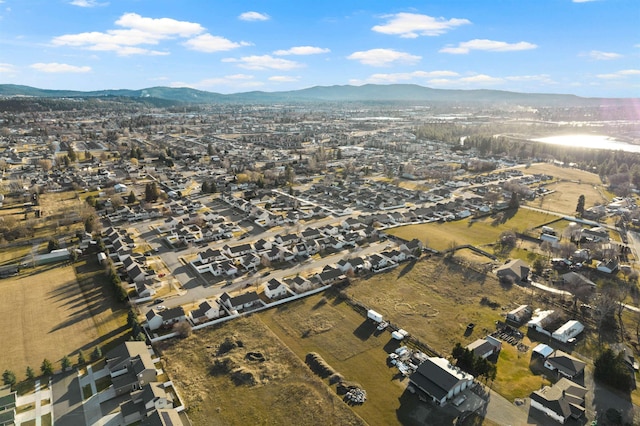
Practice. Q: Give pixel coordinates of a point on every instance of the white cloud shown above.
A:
(542, 78)
(283, 78)
(602, 56)
(7, 68)
(137, 30)
(210, 43)
(54, 67)
(302, 50)
(233, 81)
(412, 25)
(254, 16)
(86, 3)
(160, 26)
(619, 74)
(481, 78)
(264, 62)
(408, 76)
(383, 57)
(487, 45)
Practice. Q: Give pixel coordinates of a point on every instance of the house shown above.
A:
(627, 357)
(300, 284)
(275, 289)
(565, 364)
(130, 366)
(136, 274)
(330, 276)
(154, 397)
(206, 311)
(562, 401)
(355, 264)
(167, 318)
(413, 247)
(440, 380)
(608, 266)
(484, 348)
(240, 302)
(163, 417)
(7, 406)
(516, 269)
(520, 314)
(576, 280)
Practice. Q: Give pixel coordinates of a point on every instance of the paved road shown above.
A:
(201, 292)
(67, 400)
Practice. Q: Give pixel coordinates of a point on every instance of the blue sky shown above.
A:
(589, 48)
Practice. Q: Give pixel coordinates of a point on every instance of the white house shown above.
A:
(206, 311)
(275, 289)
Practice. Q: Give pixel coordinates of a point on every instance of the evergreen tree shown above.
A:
(71, 153)
(66, 363)
(30, 373)
(580, 206)
(81, 358)
(8, 377)
(205, 187)
(97, 353)
(131, 198)
(514, 202)
(46, 367)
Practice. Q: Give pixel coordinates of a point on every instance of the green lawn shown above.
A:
(478, 232)
(514, 378)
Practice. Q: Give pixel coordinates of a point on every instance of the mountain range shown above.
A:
(366, 93)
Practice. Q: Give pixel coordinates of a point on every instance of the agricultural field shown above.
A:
(477, 232)
(49, 312)
(241, 373)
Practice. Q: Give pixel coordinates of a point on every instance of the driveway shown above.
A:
(67, 400)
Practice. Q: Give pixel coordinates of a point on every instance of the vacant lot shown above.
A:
(564, 199)
(434, 300)
(240, 373)
(46, 313)
(564, 173)
(472, 231)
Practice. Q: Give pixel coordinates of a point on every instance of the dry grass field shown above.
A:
(252, 379)
(47, 312)
(476, 232)
(564, 199)
(564, 173)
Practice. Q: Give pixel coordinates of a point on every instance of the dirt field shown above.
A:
(42, 316)
(257, 379)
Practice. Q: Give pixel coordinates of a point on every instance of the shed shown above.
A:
(543, 350)
(568, 331)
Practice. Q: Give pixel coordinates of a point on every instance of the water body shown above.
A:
(590, 141)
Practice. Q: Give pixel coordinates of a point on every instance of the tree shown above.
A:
(96, 354)
(611, 369)
(66, 363)
(81, 358)
(46, 367)
(30, 373)
(53, 245)
(8, 377)
(580, 206)
(89, 224)
(205, 187)
(514, 202)
(131, 198)
(538, 266)
(151, 192)
(71, 153)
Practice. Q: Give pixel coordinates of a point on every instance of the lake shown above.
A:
(590, 141)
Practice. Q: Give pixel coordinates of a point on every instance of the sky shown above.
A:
(583, 47)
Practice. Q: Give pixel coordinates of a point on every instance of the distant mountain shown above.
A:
(365, 93)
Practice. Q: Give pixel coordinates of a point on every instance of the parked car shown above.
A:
(160, 300)
(161, 308)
